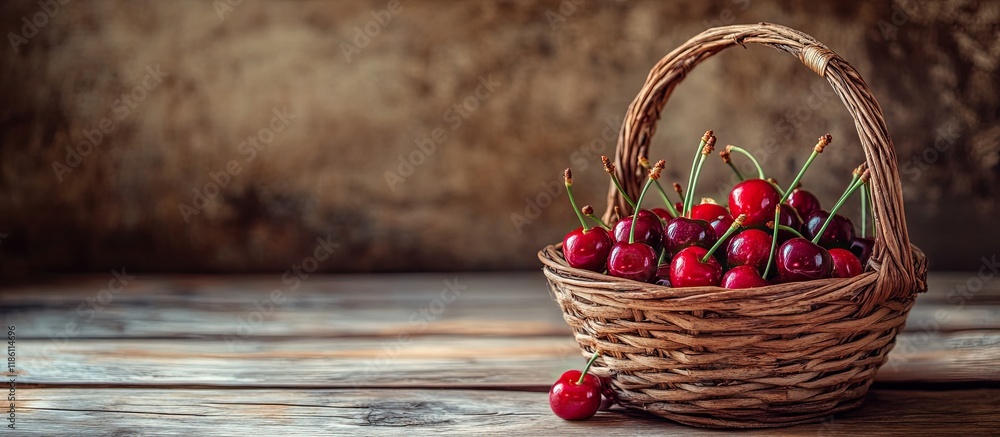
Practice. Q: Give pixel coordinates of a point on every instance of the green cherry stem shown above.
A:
(760, 171)
(654, 174)
(847, 194)
(694, 163)
(864, 211)
(820, 145)
(588, 211)
(738, 223)
(794, 231)
(728, 159)
(774, 240)
(705, 151)
(666, 201)
(568, 178)
(587, 369)
(609, 168)
(774, 183)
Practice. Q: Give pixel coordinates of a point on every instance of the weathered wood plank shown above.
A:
(372, 306)
(210, 412)
(445, 361)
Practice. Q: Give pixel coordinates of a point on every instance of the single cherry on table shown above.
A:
(576, 395)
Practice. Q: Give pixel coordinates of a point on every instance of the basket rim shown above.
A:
(790, 294)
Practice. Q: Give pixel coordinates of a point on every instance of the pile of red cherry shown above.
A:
(767, 235)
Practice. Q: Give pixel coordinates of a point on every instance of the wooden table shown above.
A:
(398, 354)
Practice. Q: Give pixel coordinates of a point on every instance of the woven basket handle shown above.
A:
(892, 257)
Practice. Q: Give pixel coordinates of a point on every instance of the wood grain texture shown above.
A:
(212, 412)
(428, 361)
(342, 356)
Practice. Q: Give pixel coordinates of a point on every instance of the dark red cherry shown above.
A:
(742, 277)
(648, 230)
(683, 232)
(752, 247)
(709, 212)
(862, 248)
(635, 261)
(803, 201)
(587, 250)
(756, 198)
(840, 232)
(687, 270)
(799, 259)
(845, 264)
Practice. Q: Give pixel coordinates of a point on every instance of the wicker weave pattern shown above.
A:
(770, 356)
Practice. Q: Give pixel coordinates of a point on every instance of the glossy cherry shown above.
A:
(635, 261)
(839, 233)
(576, 395)
(683, 232)
(742, 277)
(799, 259)
(756, 198)
(584, 248)
(687, 269)
(709, 212)
(749, 248)
(648, 229)
(845, 264)
(587, 249)
(720, 226)
(862, 248)
(631, 259)
(696, 267)
(803, 201)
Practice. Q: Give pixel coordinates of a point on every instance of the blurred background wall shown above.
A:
(228, 136)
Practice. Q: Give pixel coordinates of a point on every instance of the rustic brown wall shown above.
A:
(561, 73)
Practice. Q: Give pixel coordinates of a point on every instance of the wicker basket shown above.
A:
(763, 357)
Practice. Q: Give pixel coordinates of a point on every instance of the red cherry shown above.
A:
(840, 232)
(845, 264)
(572, 401)
(756, 198)
(742, 277)
(587, 250)
(648, 230)
(709, 212)
(862, 248)
(799, 259)
(687, 269)
(683, 232)
(635, 261)
(751, 247)
(803, 201)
